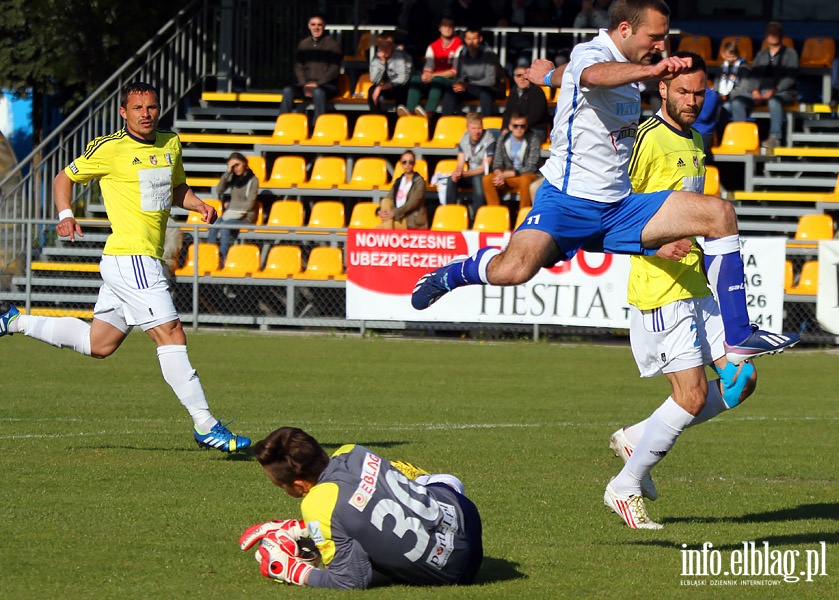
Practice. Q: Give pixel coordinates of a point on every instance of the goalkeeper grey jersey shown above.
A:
(365, 516)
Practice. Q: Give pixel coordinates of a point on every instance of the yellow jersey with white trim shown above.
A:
(665, 158)
(137, 178)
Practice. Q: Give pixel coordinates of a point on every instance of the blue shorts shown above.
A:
(576, 223)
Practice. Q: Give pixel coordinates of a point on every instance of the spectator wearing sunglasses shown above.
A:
(529, 100)
(404, 205)
(515, 164)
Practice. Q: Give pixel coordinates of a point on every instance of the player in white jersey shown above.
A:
(587, 200)
(141, 175)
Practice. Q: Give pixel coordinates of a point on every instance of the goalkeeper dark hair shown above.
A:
(136, 87)
(290, 454)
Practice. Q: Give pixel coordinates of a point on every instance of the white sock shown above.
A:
(660, 434)
(61, 332)
(183, 379)
(714, 405)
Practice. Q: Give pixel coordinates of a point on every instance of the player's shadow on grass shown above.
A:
(498, 569)
(826, 510)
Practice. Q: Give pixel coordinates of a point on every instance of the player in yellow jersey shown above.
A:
(675, 323)
(141, 175)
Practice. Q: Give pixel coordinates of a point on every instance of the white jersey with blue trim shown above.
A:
(594, 129)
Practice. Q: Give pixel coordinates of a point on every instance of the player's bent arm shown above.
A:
(616, 74)
(62, 192)
(184, 197)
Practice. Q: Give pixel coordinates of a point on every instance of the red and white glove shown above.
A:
(293, 528)
(279, 559)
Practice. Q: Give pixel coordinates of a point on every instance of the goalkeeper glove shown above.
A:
(293, 528)
(278, 559)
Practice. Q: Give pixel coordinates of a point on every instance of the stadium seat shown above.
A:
(343, 84)
(698, 44)
(492, 219)
(712, 180)
(260, 216)
(327, 213)
(787, 41)
(739, 137)
(788, 277)
(447, 133)
(420, 167)
(814, 227)
(288, 171)
(818, 52)
(364, 216)
(808, 280)
(208, 259)
(450, 217)
(195, 218)
(324, 262)
(368, 173)
(522, 215)
(549, 93)
(362, 86)
(242, 260)
(330, 129)
(369, 130)
(446, 165)
(328, 172)
(493, 122)
(257, 165)
(361, 50)
(290, 128)
(282, 262)
(744, 45)
(285, 213)
(410, 130)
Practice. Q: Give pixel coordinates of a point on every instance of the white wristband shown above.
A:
(66, 214)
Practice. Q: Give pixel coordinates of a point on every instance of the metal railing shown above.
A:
(174, 60)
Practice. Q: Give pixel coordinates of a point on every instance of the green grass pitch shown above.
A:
(105, 495)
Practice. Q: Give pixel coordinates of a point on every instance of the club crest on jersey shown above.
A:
(168, 158)
(153, 159)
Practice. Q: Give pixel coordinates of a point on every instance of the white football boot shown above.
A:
(623, 449)
(630, 508)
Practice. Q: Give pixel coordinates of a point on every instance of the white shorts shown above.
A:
(678, 336)
(135, 292)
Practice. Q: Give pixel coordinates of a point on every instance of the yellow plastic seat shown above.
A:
(447, 165)
(712, 180)
(282, 262)
(818, 52)
(369, 130)
(364, 216)
(290, 128)
(744, 45)
(362, 86)
(242, 260)
(698, 44)
(285, 213)
(324, 262)
(549, 93)
(208, 259)
(257, 165)
(739, 137)
(447, 133)
(788, 277)
(343, 84)
(327, 214)
(330, 129)
(260, 216)
(410, 130)
(814, 227)
(808, 280)
(522, 215)
(328, 172)
(420, 167)
(492, 219)
(450, 217)
(492, 122)
(195, 218)
(288, 171)
(368, 173)
(786, 41)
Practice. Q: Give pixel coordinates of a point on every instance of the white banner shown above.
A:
(589, 290)
(827, 303)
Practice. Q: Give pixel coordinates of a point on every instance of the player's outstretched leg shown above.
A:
(743, 341)
(470, 271)
(630, 508)
(9, 314)
(623, 449)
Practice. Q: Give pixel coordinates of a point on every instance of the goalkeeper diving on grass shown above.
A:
(373, 521)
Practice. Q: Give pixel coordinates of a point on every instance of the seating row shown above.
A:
(282, 262)
(808, 279)
(816, 52)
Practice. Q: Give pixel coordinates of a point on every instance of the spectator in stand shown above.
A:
(404, 205)
(438, 73)
(594, 14)
(515, 164)
(390, 72)
(734, 73)
(529, 100)
(316, 68)
(477, 75)
(771, 82)
(238, 189)
(474, 157)
(520, 13)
